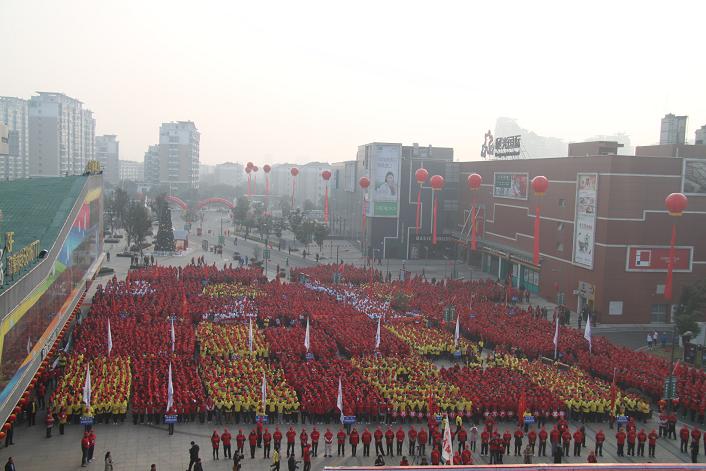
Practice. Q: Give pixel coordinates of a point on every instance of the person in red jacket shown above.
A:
(400, 440)
(303, 440)
(91, 444)
(277, 438)
(684, 437)
(600, 438)
(641, 439)
(592, 458)
(422, 441)
(366, 438)
(328, 443)
(456, 459)
(252, 440)
(620, 439)
(566, 441)
(240, 442)
(215, 444)
(389, 438)
(85, 445)
(412, 436)
(225, 439)
(341, 441)
(466, 457)
(354, 441)
(632, 438)
(695, 437)
(554, 437)
(652, 443)
(49, 422)
(266, 441)
(542, 442)
(484, 441)
(306, 457)
(532, 439)
(507, 437)
(378, 435)
(435, 457)
(518, 441)
(259, 433)
(578, 440)
(315, 442)
(291, 434)
(462, 436)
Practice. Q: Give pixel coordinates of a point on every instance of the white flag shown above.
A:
(250, 335)
(457, 334)
(110, 339)
(447, 447)
(87, 387)
(556, 337)
(29, 345)
(264, 394)
(377, 335)
(587, 334)
(170, 390)
(339, 401)
(307, 340)
(173, 335)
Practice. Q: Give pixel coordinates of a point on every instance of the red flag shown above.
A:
(436, 210)
(521, 407)
(535, 257)
(670, 265)
(474, 242)
(419, 206)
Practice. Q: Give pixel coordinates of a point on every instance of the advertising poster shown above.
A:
(694, 177)
(385, 173)
(585, 226)
(656, 259)
(510, 185)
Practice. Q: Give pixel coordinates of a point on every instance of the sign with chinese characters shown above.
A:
(656, 259)
(585, 225)
(510, 185)
(501, 147)
(17, 261)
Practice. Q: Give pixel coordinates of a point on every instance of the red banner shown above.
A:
(657, 259)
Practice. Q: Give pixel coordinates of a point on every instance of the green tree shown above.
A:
(264, 225)
(242, 207)
(309, 205)
(296, 219)
(278, 226)
(137, 224)
(690, 311)
(119, 206)
(319, 233)
(305, 232)
(165, 233)
(285, 206)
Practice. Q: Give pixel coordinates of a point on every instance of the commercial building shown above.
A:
(391, 201)
(61, 135)
(673, 129)
(151, 166)
(604, 229)
(14, 113)
(52, 233)
(108, 154)
(132, 171)
(700, 135)
(230, 173)
(178, 155)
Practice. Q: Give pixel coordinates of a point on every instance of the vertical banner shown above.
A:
(385, 174)
(585, 223)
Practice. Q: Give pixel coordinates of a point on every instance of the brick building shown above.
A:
(604, 229)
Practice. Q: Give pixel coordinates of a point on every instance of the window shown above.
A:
(560, 227)
(658, 313)
(560, 246)
(615, 308)
(562, 203)
(659, 289)
(560, 298)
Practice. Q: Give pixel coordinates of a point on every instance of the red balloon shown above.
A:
(266, 168)
(11, 418)
(2, 435)
(364, 182)
(17, 409)
(540, 184)
(249, 165)
(474, 181)
(676, 203)
(255, 168)
(6, 426)
(326, 174)
(437, 182)
(421, 175)
(248, 169)
(294, 171)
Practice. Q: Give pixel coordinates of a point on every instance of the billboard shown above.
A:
(384, 170)
(694, 181)
(510, 185)
(4, 139)
(585, 224)
(656, 258)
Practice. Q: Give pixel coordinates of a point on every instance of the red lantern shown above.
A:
(676, 203)
(540, 184)
(248, 169)
(364, 182)
(294, 171)
(266, 168)
(421, 176)
(2, 435)
(12, 418)
(249, 165)
(17, 409)
(326, 175)
(437, 183)
(6, 426)
(474, 182)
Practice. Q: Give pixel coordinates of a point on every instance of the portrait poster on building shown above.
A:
(694, 177)
(585, 225)
(385, 172)
(510, 185)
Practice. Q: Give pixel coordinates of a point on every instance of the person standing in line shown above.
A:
(652, 443)
(225, 439)
(91, 445)
(215, 444)
(527, 454)
(108, 462)
(193, 455)
(49, 421)
(275, 460)
(10, 465)
(306, 458)
(328, 444)
(85, 443)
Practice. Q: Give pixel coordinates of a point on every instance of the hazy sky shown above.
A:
(300, 81)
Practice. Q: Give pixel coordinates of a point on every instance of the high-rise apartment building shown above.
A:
(108, 154)
(179, 154)
(232, 174)
(151, 166)
(131, 170)
(14, 113)
(61, 135)
(700, 135)
(673, 129)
